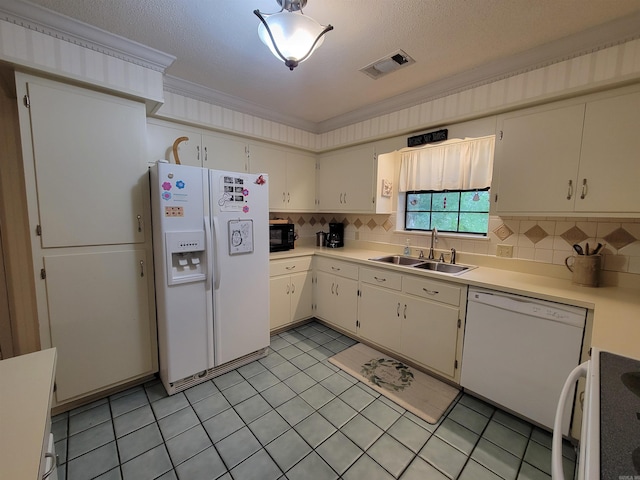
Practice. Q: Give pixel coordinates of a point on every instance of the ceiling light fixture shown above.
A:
(292, 37)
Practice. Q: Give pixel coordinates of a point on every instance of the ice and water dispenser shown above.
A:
(186, 261)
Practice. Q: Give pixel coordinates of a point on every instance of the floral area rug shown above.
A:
(421, 394)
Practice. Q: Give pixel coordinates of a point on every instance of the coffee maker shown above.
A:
(335, 238)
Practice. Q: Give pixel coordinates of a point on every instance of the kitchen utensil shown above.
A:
(597, 249)
(586, 249)
(578, 249)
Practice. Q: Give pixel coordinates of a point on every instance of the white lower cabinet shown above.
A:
(291, 291)
(417, 317)
(432, 327)
(98, 308)
(380, 308)
(430, 333)
(337, 293)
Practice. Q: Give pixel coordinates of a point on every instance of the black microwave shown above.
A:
(281, 237)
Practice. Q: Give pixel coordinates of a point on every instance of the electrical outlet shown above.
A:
(505, 251)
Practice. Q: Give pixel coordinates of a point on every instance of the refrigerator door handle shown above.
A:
(209, 247)
(216, 263)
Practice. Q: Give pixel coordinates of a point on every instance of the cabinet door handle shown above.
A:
(283, 197)
(431, 292)
(398, 310)
(584, 188)
(206, 154)
(142, 268)
(291, 267)
(337, 285)
(345, 197)
(335, 269)
(288, 197)
(570, 190)
(139, 217)
(287, 289)
(332, 285)
(404, 314)
(293, 288)
(197, 152)
(341, 198)
(378, 279)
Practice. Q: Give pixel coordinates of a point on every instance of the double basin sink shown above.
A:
(431, 265)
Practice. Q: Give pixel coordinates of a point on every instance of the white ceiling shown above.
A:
(454, 42)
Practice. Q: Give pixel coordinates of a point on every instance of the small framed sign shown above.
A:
(240, 237)
(431, 137)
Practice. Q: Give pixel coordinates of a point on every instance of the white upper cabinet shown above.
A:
(200, 149)
(345, 180)
(573, 157)
(350, 180)
(292, 179)
(272, 161)
(609, 164)
(538, 156)
(89, 151)
(224, 152)
(160, 139)
(301, 182)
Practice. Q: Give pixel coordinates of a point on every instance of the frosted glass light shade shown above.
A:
(294, 34)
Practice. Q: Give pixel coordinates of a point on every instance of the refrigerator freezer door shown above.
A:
(179, 199)
(240, 222)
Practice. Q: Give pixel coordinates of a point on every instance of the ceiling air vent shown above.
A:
(388, 64)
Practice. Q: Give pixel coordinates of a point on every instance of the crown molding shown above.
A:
(208, 95)
(34, 17)
(62, 27)
(588, 41)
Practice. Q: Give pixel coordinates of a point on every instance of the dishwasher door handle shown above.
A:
(544, 309)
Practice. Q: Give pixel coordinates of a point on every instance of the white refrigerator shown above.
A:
(211, 258)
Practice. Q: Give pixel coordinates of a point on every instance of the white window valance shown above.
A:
(451, 165)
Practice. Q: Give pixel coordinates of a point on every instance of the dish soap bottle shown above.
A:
(407, 248)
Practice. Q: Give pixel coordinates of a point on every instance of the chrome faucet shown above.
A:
(434, 237)
(453, 256)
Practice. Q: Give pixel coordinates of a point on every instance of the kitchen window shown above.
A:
(446, 186)
(457, 211)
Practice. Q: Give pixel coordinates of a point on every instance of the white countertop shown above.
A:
(616, 322)
(25, 411)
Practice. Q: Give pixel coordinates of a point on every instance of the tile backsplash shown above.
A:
(540, 239)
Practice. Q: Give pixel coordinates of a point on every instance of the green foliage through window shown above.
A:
(460, 211)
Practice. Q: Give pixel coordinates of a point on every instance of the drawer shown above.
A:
(381, 278)
(337, 267)
(432, 289)
(289, 265)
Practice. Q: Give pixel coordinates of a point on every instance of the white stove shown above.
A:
(610, 443)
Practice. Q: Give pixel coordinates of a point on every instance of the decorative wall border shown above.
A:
(39, 19)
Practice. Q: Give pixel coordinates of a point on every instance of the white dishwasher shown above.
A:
(518, 351)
